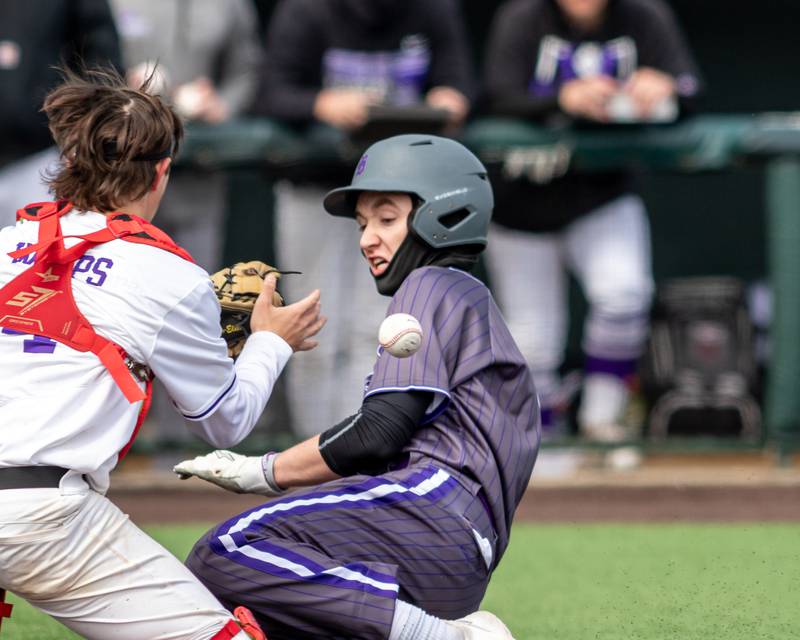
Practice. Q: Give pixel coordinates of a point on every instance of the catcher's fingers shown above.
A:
(308, 344)
(267, 290)
(294, 323)
(263, 307)
(309, 301)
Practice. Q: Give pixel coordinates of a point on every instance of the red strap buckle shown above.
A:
(249, 623)
(229, 631)
(122, 228)
(5, 607)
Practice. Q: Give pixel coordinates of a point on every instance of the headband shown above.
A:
(110, 153)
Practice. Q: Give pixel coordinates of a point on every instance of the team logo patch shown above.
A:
(27, 300)
(362, 165)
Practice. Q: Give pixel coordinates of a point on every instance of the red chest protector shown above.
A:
(39, 301)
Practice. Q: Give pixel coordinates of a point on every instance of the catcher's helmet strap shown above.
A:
(39, 210)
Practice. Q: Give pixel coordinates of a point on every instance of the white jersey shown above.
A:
(61, 407)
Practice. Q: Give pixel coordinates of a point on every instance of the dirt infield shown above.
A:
(566, 487)
(544, 505)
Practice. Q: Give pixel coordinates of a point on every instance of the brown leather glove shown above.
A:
(237, 288)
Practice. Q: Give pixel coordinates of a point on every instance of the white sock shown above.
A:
(412, 623)
(241, 636)
(603, 401)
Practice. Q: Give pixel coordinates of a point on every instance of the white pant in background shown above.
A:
(22, 182)
(608, 251)
(326, 385)
(81, 560)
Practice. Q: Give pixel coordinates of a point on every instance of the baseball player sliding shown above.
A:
(93, 303)
(408, 503)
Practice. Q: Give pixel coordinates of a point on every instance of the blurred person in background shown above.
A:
(35, 36)
(590, 62)
(206, 56)
(328, 61)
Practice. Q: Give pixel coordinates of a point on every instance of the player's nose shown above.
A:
(368, 238)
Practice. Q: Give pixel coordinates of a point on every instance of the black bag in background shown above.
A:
(699, 373)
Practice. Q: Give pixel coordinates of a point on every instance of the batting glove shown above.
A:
(233, 471)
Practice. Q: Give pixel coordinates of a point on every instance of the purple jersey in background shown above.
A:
(483, 426)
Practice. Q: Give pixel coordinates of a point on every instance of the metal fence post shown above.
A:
(783, 240)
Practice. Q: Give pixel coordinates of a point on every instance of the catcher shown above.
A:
(113, 301)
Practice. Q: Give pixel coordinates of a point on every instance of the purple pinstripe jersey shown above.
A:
(484, 423)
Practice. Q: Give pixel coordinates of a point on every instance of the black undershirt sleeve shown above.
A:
(367, 441)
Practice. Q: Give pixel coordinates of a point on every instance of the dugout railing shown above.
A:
(257, 152)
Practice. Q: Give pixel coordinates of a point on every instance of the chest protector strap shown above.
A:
(40, 299)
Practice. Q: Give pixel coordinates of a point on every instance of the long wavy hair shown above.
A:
(110, 137)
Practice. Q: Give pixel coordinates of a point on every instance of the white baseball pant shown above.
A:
(79, 559)
(608, 251)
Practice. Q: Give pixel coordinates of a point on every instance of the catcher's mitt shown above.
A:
(237, 288)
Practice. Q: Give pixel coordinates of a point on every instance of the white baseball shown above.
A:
(400, 334)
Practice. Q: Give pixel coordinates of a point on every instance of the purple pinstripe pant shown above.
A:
(329, 562)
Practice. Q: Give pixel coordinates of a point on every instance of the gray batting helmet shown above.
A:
(450, 181)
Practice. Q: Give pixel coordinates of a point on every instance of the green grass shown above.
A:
(581, 582)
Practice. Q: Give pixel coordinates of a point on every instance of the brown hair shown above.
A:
(110, 137)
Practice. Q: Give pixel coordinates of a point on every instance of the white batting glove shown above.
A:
(231, 471)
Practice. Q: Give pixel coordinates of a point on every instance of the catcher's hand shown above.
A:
(247, 297)
(231, 471)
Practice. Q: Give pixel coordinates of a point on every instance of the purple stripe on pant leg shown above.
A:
(320, 579)
(369, 484)
(240, 539)
(278, 610)
(366, 503)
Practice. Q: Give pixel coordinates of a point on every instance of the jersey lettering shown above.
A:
(96, 267)
(560, 61)
(36, 344)
(29, 259)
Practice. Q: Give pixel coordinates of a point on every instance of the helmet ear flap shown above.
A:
(457, 218)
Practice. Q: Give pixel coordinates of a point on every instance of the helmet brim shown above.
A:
(342, 201)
